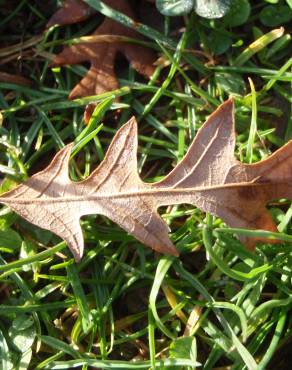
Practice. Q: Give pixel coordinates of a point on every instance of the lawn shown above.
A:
(216, 306)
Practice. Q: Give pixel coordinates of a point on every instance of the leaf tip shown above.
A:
(175, 253)
(77, 256)
(130, 127)
(225, 111)
(169, 248)
(67, 150)
(76, 244)
(228, 104)
(132, 124)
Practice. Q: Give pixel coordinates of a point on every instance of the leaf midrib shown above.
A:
(147, 192)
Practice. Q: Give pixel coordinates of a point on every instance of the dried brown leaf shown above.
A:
(101, 76)
(209, 177)
(72, 11)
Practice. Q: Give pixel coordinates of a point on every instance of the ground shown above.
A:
(124, 306)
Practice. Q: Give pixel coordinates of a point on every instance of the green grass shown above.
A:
(125, 307)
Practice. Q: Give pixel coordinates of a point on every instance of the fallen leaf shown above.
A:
(209, 177)
(101, 76)
(72, 11)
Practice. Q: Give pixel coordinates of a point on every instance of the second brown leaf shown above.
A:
(101, 76)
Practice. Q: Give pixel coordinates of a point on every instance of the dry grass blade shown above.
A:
(14, 79)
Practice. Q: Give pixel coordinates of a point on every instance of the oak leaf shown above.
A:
(101, 76)
(72, 11)
(208, 176)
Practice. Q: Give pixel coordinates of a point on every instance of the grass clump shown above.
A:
(123, 306)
